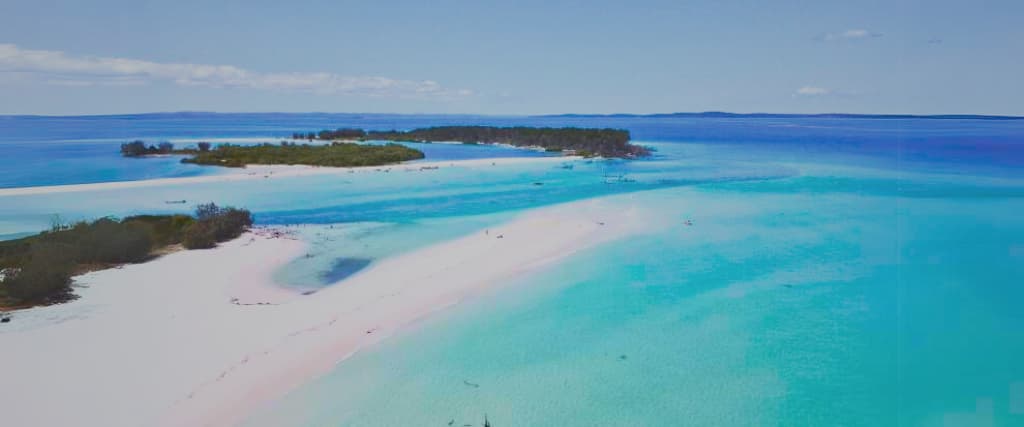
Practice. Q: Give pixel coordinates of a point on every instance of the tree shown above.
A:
(203, 146)
(165, 147)
(134, 148)
(215, 224)
(207, 211)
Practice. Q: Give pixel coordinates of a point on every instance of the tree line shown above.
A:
(286, 153)
(584, 141)
(326, 134)
(138, 148)
(337, 154)
(37, 270)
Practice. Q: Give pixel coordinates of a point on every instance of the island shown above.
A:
(37, 270)
(337, 154)
(610, 143)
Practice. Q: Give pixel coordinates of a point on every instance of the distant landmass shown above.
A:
(726, 115)
(706, 114)
(337, 154)
(571, 140)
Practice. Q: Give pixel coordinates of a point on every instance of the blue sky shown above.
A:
(526, 57)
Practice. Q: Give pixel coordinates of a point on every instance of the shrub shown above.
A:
(45, 278)
(165, 147)
(38, 269)
(199, 236)
(162, 229)
(215, 224)
(134, 148)
(111, 242)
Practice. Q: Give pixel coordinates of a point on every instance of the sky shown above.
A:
(514, 57)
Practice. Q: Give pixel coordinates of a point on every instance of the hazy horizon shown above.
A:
(528, 58)
(709, 113)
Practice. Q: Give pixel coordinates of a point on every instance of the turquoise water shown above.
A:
(838, 272)
(776, 308)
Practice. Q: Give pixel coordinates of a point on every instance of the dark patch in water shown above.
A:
(342, 268)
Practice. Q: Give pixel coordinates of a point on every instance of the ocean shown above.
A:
(838, 271)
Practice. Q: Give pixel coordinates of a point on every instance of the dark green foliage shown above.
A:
(44, 278)
(138, 148)
(203, 147)
(341, 133)
(215, 224)
(601, 142)
(590, 142)
(38, 268)
(46, 262)
(336, 154)
(134, 148)
(162, 229)
(199, 236)
(107, 241)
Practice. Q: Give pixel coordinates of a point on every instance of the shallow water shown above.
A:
(837, 272)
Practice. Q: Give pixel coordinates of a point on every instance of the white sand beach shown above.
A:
(204, 337)
(277, 171)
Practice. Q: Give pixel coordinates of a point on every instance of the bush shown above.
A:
(165, 147)
(46, 278)
(38, 268)
(163, 229)
(111, 242)
(199, 236)
(134, 148)
(215, 224)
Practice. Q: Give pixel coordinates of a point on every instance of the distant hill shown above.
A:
(725, 115)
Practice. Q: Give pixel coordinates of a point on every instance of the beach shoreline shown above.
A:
(252, 172)
(206, 337)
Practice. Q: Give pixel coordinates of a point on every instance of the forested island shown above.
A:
(580, 141)
(37, 270)
(338, 154)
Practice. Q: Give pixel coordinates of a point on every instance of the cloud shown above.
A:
(59, 68)
(812, 91)
(853, 34)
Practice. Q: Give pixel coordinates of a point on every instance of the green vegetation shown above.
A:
(581, 141)
(139, 148)
(587, 142)
(38, 269)
(334, 154)
(340, 133)
(215, 224)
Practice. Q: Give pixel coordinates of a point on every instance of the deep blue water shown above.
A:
(65, 150)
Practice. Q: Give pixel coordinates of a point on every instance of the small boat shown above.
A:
(175, 202)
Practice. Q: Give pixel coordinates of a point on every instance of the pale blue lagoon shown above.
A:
(839, 271)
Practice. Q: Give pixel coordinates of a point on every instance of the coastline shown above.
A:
(276, 171)
(205, 337)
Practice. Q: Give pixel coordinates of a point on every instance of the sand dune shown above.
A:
(204, 337)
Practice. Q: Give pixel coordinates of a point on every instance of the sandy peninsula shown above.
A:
(205, 337)
(252, 172)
